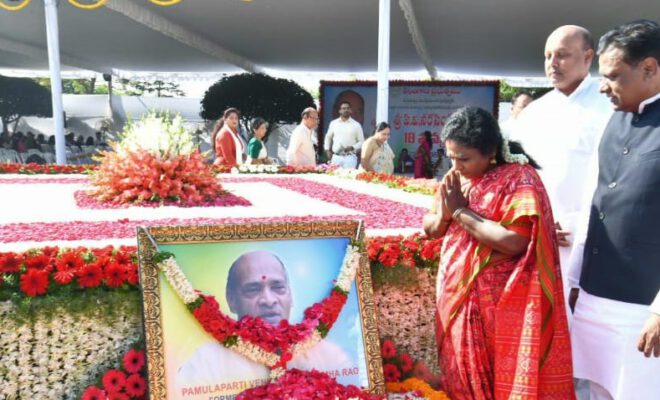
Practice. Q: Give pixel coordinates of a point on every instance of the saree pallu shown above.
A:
(501, 324)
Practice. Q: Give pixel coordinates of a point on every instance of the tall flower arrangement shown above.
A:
(154, 160)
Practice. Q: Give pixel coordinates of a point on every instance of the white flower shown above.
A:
(512, 158)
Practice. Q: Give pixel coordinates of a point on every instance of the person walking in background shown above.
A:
(519, 102)
(377, 156)
(228, 145)
(501, 321)
(423, 161)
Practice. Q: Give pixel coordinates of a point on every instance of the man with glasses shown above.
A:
(344, 138)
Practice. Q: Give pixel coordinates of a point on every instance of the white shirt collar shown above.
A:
(647, 102)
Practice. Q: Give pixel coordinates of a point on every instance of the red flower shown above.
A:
(135, 386)
(391, 373)
(114, 380)
(387, 350)
(406, 362)
(134, 361)
(93, 393)
(50, 251)
(90, 276)
(69, 261)
(34, 282)
(115, 275)
(40, 262)
(117, 396)
(10, 263)
(390, 255)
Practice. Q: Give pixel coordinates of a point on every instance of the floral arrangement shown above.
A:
(418, 387)
(273, 346)
(124, 383)
(33, 168)
(41, 271)
(401, 366)
(154, 160)
(424, 186)
(44, 358)
(297, 384)
(415, 251)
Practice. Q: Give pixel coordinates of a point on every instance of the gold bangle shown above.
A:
(457, 212)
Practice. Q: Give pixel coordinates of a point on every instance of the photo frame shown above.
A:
(278, 272)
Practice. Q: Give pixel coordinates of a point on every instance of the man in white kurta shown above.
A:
(301, 147)
(344, 138)
(616, 326)
(562, 129)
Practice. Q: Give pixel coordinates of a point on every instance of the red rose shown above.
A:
(34, 282)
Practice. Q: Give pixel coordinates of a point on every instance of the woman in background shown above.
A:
(256, 150)
(377, 156)
(227, 143)
(423, 163)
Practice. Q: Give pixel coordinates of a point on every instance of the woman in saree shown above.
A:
(377, 156)
(423, 163)
(501, 323)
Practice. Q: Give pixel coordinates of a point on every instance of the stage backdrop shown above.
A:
(414, 106)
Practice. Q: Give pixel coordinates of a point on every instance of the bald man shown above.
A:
(562, 129)
(257, 286)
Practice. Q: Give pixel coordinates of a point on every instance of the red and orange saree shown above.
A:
(502, 329)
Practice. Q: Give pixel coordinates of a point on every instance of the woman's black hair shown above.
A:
(477, 128)
(256, 123)
(428, 137)
(381, 126)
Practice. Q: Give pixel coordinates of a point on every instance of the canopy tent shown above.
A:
(503, 37)
(238, 35)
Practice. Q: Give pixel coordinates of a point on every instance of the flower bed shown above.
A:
(32, 168)
(95, 290)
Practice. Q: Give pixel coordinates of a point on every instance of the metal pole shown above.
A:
(383, 61)
(52, 34)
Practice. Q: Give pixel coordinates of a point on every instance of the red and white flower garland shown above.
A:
(272, 346)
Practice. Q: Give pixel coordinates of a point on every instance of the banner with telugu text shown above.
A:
(414, 106)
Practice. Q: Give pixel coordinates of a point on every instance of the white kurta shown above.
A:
(301, 148)
(562, 134)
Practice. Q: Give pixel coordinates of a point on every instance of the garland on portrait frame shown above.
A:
(274, 346)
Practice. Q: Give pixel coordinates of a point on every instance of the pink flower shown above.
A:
(135, 386)
(387, 350)
(391, 373)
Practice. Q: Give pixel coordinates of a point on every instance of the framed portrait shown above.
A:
(227, 307)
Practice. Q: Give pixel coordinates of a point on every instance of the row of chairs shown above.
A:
(74, 155)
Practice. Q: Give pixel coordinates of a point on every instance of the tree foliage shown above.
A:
(20, 97)
(256, 95)
(507, 91)
(160, 88)
(77, 86)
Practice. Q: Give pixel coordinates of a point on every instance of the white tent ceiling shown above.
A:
(503, 37)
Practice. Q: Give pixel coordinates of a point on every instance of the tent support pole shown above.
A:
(52, 32)
(383, 61)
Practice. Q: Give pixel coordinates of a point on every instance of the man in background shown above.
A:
(344, 138)
(301, 147)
